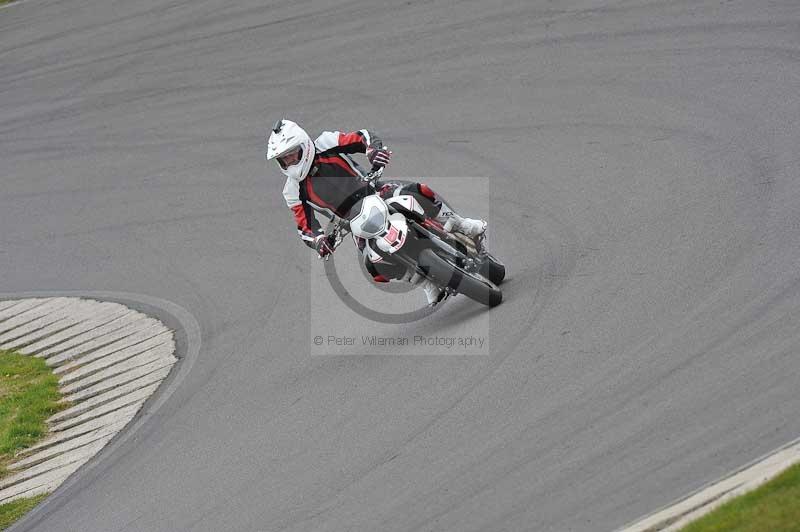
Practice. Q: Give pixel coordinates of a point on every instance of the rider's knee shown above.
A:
(426, 191)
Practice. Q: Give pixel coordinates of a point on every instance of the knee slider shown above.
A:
(427, 191)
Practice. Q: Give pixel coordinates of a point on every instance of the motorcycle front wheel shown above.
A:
(447, 274)
(493, 269)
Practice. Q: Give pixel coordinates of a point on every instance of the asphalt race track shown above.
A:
(638, 164)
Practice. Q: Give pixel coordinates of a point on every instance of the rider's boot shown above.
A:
(466, 226)
(433, 293)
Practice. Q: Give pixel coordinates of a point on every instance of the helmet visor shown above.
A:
(290, 158)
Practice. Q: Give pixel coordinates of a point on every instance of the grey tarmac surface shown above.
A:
(641, 182)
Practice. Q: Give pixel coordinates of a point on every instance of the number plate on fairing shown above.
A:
(395, 237)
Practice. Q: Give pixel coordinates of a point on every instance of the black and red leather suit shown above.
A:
(333, 186)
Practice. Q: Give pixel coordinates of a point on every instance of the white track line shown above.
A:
(97, 381)
(110, 360)
(123, 416)
(5, 304)
(44, 467)
(105, 333)
(88, 405)
(44, 483)
(137, 397)
(119, 362)
(57, 317)
(89, 319)
(34, 318)
(21, 307)
(155, 371)
(137, 332)
(62, 448)
(681, 513)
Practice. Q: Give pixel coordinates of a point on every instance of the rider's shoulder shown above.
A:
(327, 140)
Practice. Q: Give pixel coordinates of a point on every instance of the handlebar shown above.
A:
(341, 227)
(375, 173)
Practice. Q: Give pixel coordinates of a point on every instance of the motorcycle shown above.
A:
(398, 230)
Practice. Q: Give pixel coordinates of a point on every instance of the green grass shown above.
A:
(28, 396)
(773, 507)
(10, 512)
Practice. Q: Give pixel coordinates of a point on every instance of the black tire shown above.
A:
(474, 286)
(493, 270)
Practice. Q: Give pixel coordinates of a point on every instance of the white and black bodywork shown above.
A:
(396, 230)
(386, 230)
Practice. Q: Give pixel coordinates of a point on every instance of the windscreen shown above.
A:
(375, 221)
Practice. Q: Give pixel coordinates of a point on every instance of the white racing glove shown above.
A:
(324, 246)
(379, 156)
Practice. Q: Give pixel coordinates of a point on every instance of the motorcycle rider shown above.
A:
(321, 176)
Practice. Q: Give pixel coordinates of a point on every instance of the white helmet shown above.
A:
(292, 148)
